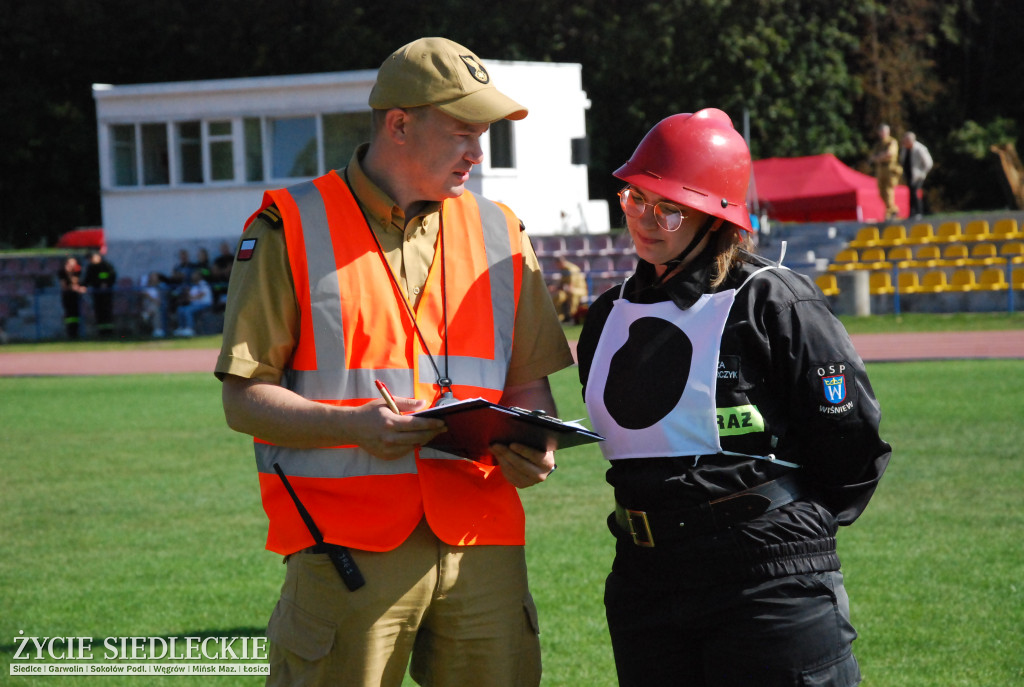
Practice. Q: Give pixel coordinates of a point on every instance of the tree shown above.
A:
(814, 75)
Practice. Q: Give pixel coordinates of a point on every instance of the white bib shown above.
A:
(651, 389)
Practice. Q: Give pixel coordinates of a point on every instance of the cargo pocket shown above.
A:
(844, 672)
(531, 614)
(528, 670)
(302, 633)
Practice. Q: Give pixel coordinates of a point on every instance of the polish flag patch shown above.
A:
(246, 248)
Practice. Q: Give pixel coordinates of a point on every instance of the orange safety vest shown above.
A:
(354, 329)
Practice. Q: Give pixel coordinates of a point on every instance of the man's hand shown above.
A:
(523, 466)
(389, 436)
(282, 417)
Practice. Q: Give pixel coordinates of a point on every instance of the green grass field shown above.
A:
(129, 509)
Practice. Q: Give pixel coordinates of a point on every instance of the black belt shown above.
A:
(666, 526)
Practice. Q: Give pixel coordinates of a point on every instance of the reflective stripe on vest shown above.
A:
(355, 330)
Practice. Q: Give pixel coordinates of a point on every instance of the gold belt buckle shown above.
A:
(640, 528)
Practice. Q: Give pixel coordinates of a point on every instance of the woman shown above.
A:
(741, 431)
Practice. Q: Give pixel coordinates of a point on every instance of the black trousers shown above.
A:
(916, 199)
(72, 304)
(788, 631)
(103, 309)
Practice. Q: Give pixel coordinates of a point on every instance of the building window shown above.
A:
(222, 151)
(122, 137)
(293, 147)
(253, 148)
(155, 160)
(343, 131)
(190, 153)
(502, 148)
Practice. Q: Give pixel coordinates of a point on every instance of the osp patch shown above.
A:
(832, 386)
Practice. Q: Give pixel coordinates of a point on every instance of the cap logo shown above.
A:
(476, 70)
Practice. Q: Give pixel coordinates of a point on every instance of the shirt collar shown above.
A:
(374, 201)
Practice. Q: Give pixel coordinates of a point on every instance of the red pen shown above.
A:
(388, 398)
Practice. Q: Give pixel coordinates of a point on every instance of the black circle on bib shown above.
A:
(647, 376)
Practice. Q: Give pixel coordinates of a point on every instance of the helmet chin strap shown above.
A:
(697, 238)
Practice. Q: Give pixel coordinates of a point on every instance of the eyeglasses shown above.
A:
(668, 216)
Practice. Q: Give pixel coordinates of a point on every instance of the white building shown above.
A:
(186, 163)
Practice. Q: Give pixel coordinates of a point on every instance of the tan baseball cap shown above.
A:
(442, 73)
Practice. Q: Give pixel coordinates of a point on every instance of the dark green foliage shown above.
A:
(814, 75)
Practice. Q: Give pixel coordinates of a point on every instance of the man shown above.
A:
(390, 270)
(197, 299)
(571, 291)
(885, 158)
(100, 279)
(916, 162)
(71, 290)
(220, 273)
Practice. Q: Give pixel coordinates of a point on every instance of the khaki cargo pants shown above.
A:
(463, 614)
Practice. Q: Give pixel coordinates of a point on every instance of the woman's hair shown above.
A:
(731, 240)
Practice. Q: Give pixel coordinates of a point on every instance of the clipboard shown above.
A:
(475, 424)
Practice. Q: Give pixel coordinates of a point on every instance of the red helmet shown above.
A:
(698, 160)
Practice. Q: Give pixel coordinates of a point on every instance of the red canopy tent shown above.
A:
(84, 237)
(820, 188)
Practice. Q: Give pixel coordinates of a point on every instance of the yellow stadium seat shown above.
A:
(921, 233)
(954, 255)
(993, 279)
(845, 259)
(866, 238)
(874, 259)
(977, 230)
(1005, 229)
(1017, 279)
(928, 256)
(828, 284)
(984, 254)
(934, 282)
(949, 232)
(1012, 251)
(963, 280)
(901, 256)
(880, 283)
(893, 235)
(909, 282)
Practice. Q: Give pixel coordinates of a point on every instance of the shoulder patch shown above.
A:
(272, 216)
(245, 249)
(833, 387)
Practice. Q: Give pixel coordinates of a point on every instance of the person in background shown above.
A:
(916, 162)
(886, 158)
(571, 290)
(202, 263)
(199, 298)
(741, 431)
(100, 280)
(71, 290)
(152, 305)
(333, 290)
(180, 272)
(220, 274)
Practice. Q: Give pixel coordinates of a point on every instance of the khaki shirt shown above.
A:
(890, 166)
(261, 321)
